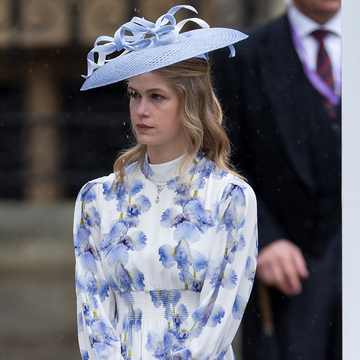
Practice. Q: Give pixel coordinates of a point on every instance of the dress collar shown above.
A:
(161, 173)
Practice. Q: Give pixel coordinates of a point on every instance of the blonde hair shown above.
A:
(201, 116)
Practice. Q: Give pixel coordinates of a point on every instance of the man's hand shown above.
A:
(281, 264)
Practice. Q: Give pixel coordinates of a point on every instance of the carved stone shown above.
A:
(44, 22)
(100, 17)
(6, 31)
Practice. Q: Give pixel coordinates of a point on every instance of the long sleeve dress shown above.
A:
(166, 279)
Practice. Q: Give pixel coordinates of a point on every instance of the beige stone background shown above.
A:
(43, 43)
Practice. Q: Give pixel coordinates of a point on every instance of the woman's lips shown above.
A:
(143, 127)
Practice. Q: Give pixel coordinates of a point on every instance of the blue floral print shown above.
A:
(166, 280)
(239, 307)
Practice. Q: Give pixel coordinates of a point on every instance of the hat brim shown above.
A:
(188, 45)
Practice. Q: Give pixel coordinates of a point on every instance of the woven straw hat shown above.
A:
(152, 46)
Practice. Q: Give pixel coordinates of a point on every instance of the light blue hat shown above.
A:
(153, 46)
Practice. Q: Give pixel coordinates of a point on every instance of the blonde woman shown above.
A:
(166, 246)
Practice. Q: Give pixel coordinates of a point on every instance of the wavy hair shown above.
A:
(201, 115)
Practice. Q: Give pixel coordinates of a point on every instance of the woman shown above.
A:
(166, 245)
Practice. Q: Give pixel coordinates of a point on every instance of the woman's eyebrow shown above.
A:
(148, 90)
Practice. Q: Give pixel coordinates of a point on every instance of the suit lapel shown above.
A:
(284, 80)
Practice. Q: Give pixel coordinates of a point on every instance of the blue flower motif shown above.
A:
(134, 186)
(167, 255)
(235, 190)
(229, 218)
(137, 279)
(229, 278)
(130, 187)
(135, 241)
(82, 244)
(222, 350)
(182, 255)
(179, 316)
(126, 280)
(110, 189)
(130, 169)
(215, 271)
(165, 297)
(87, 193)
(103, 289)
(250, 268)
(205, 167)
(127, 298)
(193, 212)
(141, 204)
(238, 195)
(210, 315)
(182, 354)
(182, 335)
(119, 228)
(183, 189)
(239, 307)
(217, 173)
(124, 349)
(80, 323)
(87, 312)
(84, 355)
(88, 262)
(93, 287)
(169, 218)
(91, 217)
(160, 346)
(200, 217)
(199, 260)
(146, 169)
(187, 232)
(206, 221)
(202, 165)
(216, 315)
(132, 320)
(118, 254)
(193, 284)
(103, 351)
(90, 284)
(102, 339)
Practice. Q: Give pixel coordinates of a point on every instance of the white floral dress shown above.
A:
(169, 279)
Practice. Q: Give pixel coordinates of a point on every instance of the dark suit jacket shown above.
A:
(287, 146)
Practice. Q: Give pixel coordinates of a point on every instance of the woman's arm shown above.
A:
(209, 331)
(96, 306)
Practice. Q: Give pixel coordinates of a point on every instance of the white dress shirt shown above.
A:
(304, 26)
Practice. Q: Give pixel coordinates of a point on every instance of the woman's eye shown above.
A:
(132, 94)
(157, 97)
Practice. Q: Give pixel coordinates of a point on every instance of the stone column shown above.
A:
(43, 145)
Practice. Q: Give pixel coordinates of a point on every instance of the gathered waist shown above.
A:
(157, 304)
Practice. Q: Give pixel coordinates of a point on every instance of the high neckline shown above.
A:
(161, 173)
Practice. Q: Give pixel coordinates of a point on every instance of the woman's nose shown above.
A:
(142, 109)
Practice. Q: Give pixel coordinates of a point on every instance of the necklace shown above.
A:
(159, 187)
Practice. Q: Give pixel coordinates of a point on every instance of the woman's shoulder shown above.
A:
(213, 171)
(100, 180)
(241, 184)
(96, 187)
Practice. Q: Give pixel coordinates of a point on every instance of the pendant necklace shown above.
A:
(159, 187)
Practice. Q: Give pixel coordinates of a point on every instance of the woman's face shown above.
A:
(155, 115)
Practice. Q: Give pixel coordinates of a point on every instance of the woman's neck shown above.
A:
(161, 157)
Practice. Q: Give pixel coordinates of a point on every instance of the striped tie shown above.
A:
(323, 68)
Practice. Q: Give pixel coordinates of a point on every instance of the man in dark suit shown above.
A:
(281, 94)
